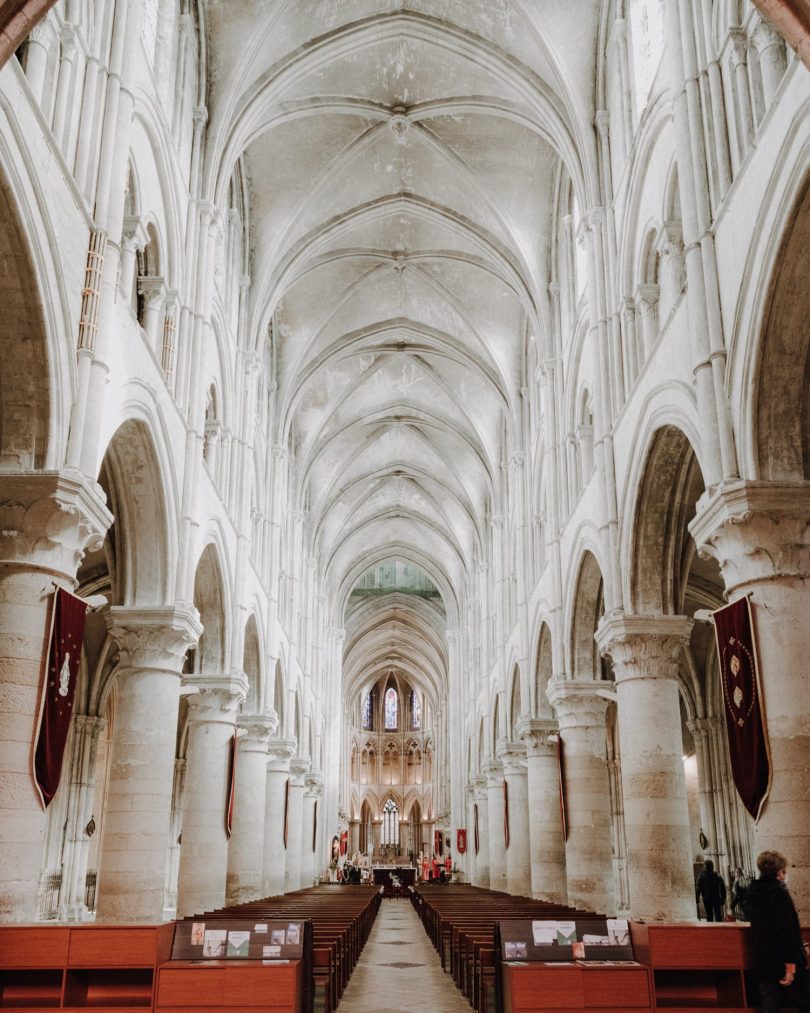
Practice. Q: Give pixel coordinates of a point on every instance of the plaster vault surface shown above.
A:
(402, 161)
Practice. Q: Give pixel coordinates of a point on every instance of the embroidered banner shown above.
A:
(314, 824)
(56, 704)
(505, 814)
(561, 781)
(461, 841)
(230, 807)
(344, 842)
(745, 724)
(475, 827)
(438, 842)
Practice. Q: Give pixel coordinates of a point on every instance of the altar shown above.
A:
(406, 874)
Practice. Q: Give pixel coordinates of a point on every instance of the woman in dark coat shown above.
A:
(779, 956)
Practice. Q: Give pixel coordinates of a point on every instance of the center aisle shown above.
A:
(399, 971)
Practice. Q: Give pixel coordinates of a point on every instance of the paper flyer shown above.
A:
(293, 934)
(618, 932)
(544, 933)
(214, 942)
(197, 933)
(238, 944)
(277, 937)
(566, 933)
(514, 951)
(259, 929)
(271, 951)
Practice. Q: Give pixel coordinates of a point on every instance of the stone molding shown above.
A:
(256, 729)
(513, 758)
(643, 646)
(153, 639)
(755, 530)
(494, 773)
(539, 736)
(313, 785)
(217, 698)
(279, 754)
(49, 519)
(299, 766)
(581, 703)
(478, 787)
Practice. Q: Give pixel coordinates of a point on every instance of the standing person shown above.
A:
(712, 889)
(425, 869)
(435, 867)
(779, 955)
(739, 895)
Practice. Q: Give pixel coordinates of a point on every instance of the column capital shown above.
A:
(580, 703)
(279, 754)
(540, 736)
(216, 698)
(299, 765)
(478, 785)
(313, 784)
(757, 531)
(256, 730)
(493, 772)
(153, 289)
(643, 646)
(49, 519)
(153, 638)
(512, 756)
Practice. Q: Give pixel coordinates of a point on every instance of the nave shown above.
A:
(399, 971)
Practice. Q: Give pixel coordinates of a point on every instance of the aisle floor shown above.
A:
(399, 971)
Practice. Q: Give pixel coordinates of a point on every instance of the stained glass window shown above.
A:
(390, 827)
(416, 712)
(367, 711)
(391, 708)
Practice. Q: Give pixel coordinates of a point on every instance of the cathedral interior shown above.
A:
(402, 386)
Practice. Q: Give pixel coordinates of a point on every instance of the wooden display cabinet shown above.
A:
(580, 988)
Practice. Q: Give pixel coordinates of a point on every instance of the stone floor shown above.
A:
(399, 971)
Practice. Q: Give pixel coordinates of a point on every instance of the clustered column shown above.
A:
(548, 877)
(518, 869)
(645, 652)
(581, 706)
(246, 846)
(152, 645)
(481, 802)
(204, 851)
(313, 787)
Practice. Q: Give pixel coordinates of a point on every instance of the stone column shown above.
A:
(497, 843)
(47, 521)
(295, 815)
(152, 644)
(376, 826)
(354, 837)
(481, 800)
(204, 849)
(313, 788)
(701, 732)
(246, 846)
(548, 877)
(645, 653)
(759, 532)
(518, 867)
(580, 706)
(274, 863)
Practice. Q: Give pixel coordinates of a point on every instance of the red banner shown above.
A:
(475, 827)
(461, 841)
(314, 824)
(505, 814)
(344, 842)
(438, 842)
(561, 780)
(286, 812)
(230, 808)
(745, 725)
(56, 705)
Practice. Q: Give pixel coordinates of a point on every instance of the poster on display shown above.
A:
(461, 840)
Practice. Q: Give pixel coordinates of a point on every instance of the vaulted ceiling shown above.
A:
(402, 160)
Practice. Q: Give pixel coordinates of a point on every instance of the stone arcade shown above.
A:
(402, 384)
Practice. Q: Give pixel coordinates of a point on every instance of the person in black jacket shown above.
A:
(779, 956)
(712, 889)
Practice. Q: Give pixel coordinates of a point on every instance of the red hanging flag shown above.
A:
(286, 812)
(561, 781)
(231, 806)
(475, 827)
(505, 814)
(438, 842)
(344, 841)
(56, 705)
(742, 698)
(461, 840)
